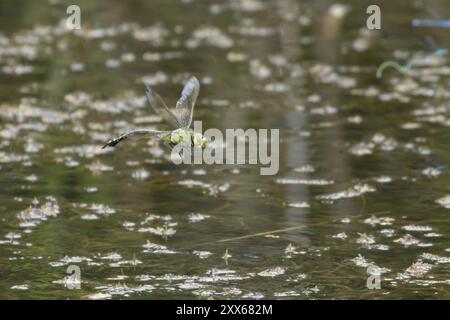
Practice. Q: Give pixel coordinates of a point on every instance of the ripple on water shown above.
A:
(30, 142)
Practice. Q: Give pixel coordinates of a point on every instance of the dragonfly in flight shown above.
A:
(180, 118)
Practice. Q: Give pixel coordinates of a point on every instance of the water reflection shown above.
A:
(363, 180)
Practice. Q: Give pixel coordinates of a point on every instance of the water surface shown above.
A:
(363, 180)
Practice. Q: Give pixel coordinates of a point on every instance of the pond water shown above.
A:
(363, 185)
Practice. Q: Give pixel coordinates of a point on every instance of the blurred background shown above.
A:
(363, 179)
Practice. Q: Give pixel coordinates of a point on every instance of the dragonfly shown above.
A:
(180, 118)
(431, 23)
(437, 22)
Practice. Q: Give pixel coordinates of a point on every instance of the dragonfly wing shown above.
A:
(161, 108)
(185, 105)
(433, 12)
(430, 42)
(134, 134)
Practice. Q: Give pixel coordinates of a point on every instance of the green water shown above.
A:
(363, 161)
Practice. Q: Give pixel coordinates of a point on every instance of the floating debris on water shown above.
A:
(417, 228)
(418, 269)
(431, 172)
(209, 188)
(298, 205)
(290, 250)
(140, 174)
(382, 221)
(407, 240)
(272, 272)
(226, 256)
(35, 214)
(305, 182)
(355, 191)
(197, 217)
(150, 247)
(444, 201)
(20, 287)
(365, 239)
(362, 171)
(341, 235)
(360, 261)
(202, 254)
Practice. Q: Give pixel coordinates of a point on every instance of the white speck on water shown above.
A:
(435, 258)
(290, 250)
(286, 294)
(417, 228)
(407, 240)
(431, 172)
(253, 295)
(338, 10)
(432, 235)
(20, 287)
(355, 191)
(320, 182)
(341, 235)
(365, 239)
(272, 272)
(382, 221)
(360, 261)
(197, 217)
(111, 256)
(305, 168)
(298, 205)
(417, 269)
(89, 217)
(346, 220)
(150, 247)
(99, 296)
(202, 254)
(140, 174)
(444, 201)
(383, 179)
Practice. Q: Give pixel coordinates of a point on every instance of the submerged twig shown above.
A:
(262, 233)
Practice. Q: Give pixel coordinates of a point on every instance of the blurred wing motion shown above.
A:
(185, 105)
(161, 108)
(135, 133)
(433, 12)
(430, 42)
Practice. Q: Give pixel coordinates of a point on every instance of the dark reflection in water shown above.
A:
(363, 179)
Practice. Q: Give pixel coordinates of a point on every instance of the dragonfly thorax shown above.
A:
(183, 135)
